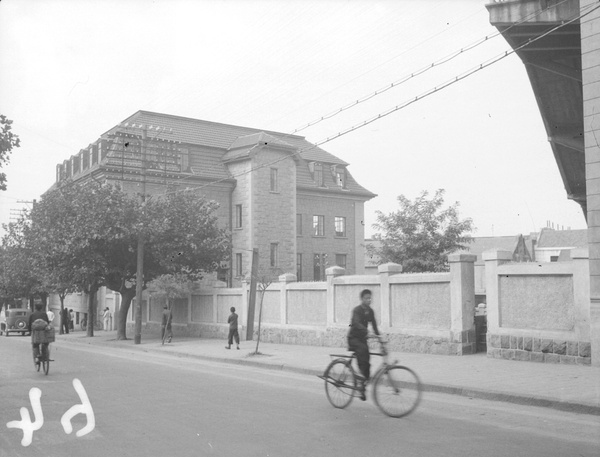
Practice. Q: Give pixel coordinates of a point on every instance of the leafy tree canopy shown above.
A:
(8, 141)
(420, 235)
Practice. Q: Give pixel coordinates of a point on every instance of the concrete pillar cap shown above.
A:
(335, 271)
(288, 277)
(389, 268)
(462, 258)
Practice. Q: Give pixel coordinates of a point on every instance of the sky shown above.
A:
(71, 70)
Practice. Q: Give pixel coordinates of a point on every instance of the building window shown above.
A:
(238, 265)
(319, 266)
(299, 267)
(340, 260)
(299, 224)
(319, 178)
(553, 258)
(238, 216)
(340, 226)
(274, 180)
(274, 255)
(318, 225)
(340, 178)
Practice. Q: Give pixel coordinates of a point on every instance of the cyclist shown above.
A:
(357, 337)
(38, 314)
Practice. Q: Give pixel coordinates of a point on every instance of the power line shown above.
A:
(403, 105)
(410, 76)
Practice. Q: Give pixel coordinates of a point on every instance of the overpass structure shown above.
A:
(564, 71)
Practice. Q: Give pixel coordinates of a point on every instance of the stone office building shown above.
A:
(295, 202)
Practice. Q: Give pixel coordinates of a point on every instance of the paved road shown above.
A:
(146, 404)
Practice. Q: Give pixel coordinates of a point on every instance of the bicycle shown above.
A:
(393, 384)
(97, 325)
(43, 360)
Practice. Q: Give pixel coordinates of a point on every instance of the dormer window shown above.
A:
(340, 178)
(318, 175)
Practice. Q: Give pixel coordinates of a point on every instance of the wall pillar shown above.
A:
(332, 273)
(462, 301)
(284, 279)
(493, 258)
(243, 311)
(581, 291)
(385, 271)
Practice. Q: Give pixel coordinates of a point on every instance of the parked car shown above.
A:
(17, 321)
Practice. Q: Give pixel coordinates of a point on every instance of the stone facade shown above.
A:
(234, 166)
(532, 349)
(590, 64)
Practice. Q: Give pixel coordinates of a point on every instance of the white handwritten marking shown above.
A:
(84, 408)
(25, 424)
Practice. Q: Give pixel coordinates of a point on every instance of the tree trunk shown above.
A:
(127, 296)
(62, 313)
(262, 297)
(91, 318)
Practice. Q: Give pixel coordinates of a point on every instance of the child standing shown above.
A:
(233, 329)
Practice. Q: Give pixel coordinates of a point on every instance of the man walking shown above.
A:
(166, 324)
(233, 329)
(65, 319)
(71, 319)
(106, 316)
(357, 337)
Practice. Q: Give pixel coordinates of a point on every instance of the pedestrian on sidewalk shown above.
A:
(233, 329)
(65, 319)
(106, 316)
(50, 315)
(71, 319)
(357, 337)
(166, 324)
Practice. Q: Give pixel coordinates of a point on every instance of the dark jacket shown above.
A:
(35, 316)
(233, 321)
(359, 325)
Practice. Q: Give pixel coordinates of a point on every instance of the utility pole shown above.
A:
(252, 298)
(139, 276)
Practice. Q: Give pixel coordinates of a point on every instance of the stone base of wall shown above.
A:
(538, 349)
(194, 330)
(459, 344)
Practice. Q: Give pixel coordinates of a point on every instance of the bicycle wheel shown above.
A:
(83, 325)
(340, 383)
(46, 360)
(98, 325)
(397, 391)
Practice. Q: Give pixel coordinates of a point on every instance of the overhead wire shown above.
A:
(408, 77)
(399, 107)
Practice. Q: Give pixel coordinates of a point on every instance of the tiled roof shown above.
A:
(550, 238)
(257, 138)
(222, 136)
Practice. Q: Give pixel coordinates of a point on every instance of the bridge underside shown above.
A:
(553, 64)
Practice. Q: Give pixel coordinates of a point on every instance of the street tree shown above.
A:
(182, 238)
(8, 141)
(20, 276)
(264, 278)
(171, 287)
(77, 227)
(420, 235)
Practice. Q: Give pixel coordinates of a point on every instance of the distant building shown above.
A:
(552, 244)
(295, 202)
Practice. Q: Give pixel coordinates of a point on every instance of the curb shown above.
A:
(491, 395)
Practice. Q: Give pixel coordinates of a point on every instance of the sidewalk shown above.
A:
(573, 388)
